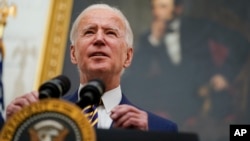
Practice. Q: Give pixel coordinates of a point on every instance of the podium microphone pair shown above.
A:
(58, 86)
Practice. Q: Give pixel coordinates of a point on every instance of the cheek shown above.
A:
(82, 47)
(122, 55)
(80, 53)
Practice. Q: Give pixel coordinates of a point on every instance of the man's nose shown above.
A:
(99, 39)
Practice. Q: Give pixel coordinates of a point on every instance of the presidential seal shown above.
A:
(48, 120)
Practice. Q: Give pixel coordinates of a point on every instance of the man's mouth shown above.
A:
(98, 54)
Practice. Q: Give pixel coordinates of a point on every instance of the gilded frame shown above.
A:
(55, 38)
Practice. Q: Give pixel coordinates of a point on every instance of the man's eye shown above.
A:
(88, 32)
(111, 33)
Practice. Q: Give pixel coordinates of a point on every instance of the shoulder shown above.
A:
(158, 123)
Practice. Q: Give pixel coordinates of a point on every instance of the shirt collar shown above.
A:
(110, 99)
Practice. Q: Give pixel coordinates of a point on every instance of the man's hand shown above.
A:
(19, 102)
(126, 116)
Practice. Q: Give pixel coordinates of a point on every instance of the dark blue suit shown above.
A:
(155, 123)
(1, 121)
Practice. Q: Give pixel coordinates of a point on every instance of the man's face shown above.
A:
(163, 9)
(100, 46)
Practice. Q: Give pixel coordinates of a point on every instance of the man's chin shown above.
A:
(100, 69)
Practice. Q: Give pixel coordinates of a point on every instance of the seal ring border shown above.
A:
(49, 105)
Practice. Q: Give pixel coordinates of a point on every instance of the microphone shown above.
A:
(54, 88)
(91, 93)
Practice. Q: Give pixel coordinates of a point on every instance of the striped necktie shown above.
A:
(91, 113)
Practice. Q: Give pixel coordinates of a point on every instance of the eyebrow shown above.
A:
(113, 29)
(87, 27)
(107, 27)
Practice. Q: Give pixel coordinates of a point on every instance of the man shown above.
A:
(101, 47)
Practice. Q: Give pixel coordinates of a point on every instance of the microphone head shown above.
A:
(91, 93)
(55, 88)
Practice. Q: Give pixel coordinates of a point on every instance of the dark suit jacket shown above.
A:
(155, 122)
(1, 122)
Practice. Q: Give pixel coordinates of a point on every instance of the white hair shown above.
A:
(128, 32)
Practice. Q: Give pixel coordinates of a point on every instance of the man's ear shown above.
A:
(72, 54)
(129, 57)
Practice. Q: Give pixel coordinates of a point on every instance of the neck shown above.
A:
(110, 82)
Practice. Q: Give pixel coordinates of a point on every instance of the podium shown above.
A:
(59, 120)
(136, 135)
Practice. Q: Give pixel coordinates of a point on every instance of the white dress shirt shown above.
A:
(110, 99)
(173, 43)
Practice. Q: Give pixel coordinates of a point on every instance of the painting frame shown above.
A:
(55, 39)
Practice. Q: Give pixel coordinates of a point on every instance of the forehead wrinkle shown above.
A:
(108, 15)
(116, 28)
(104, 27)
(91, 20)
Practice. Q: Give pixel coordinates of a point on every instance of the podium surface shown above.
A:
(136, 135)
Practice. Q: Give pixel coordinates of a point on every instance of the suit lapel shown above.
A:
(124, 100)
